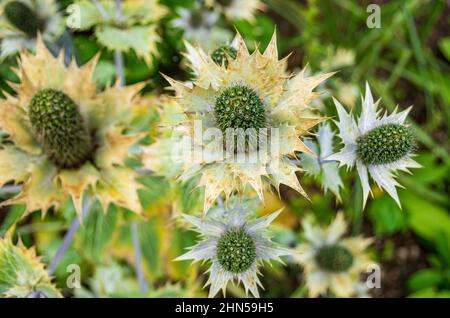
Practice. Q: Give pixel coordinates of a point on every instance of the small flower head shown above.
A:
(21, 16)
(59, 127)
(65, 139)
(236, 246)
(237, 9)
(380, 146)
(385, 144)
(22, 20)
(22, 274)
(199, 25)
(332, 263)
(223, 53)
(239, 106)
(250, 93)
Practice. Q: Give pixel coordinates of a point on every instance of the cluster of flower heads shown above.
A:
(67, 141)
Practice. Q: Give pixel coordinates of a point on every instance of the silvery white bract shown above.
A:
(326, 172)
(236, 247)
(372, 139)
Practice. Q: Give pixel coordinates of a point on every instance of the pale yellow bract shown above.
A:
(106, 114)
(320, 281)
(286, 101)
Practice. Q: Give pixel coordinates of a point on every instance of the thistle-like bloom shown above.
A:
(236, 247)
(378, 145)
(64, 138)
(331, 262)
(21, 20)
(244, 92)
(237, 9)
(22, 275)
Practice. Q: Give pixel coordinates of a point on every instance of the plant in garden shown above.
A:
(130, 27)
(378, 145)
(22, 20)
(64, 138)
(236, 246)
(22, 275)
(330, 262)
(253, 91)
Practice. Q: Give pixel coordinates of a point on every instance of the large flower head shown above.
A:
(236, 93)
(236, 246)
(330, 262)
(64, 138)
(378, 145)
(22, 20)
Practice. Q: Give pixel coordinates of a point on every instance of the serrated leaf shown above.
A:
(140, 39)
(21, 272)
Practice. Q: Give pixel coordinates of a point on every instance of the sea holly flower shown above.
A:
(133, 29)
(22, 20)
(330, 262)
(22, 275)
(379, 146)
(327, 172)
(199, 25)
(250, 93)
(64, 138)
(237, 9)
(236, 246)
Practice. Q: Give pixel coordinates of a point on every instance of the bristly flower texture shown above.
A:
(64, 138)
(234, 89)
(236, 247)
(380, 146)
(331, 262)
